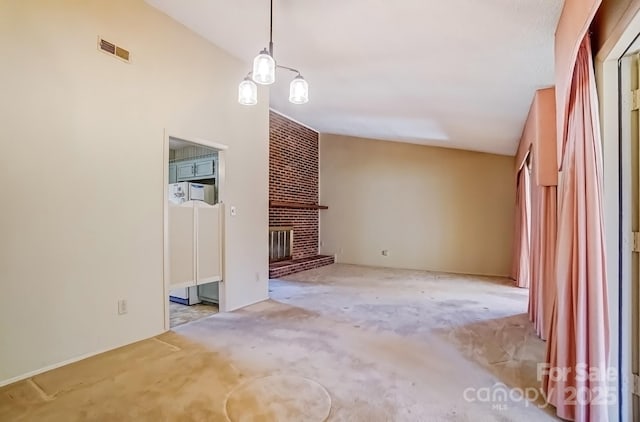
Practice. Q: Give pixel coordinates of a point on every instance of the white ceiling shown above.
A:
(453, 73)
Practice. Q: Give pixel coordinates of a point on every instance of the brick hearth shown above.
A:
(280, 269)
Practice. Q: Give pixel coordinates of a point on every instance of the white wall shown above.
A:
(432, 208)
(81, 222)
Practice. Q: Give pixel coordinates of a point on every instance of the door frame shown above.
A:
(222, 151)
(617, 185)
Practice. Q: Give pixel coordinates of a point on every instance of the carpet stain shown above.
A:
(387, 345)
(278, 398)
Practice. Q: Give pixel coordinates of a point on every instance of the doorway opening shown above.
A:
(193, 230)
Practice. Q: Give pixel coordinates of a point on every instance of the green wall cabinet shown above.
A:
(173, 173)
(201, 168)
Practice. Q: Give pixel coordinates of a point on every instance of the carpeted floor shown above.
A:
(364, 344)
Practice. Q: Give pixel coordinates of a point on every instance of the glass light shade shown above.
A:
(264, 68)
(247, 92)
(299, 91)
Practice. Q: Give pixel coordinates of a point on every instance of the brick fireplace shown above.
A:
(293, 194)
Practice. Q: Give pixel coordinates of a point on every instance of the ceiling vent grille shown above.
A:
(113, 50)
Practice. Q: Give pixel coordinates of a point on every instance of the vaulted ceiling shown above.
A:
(454, 73)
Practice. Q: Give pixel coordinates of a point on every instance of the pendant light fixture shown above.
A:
(299, 90)
(248, 92)
(264, 68)
(264, 73)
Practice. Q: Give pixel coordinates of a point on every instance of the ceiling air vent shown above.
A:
(113, 50)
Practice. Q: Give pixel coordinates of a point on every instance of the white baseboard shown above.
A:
(39, 371)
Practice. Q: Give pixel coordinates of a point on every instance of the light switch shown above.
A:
(233, 211)
(122, 307)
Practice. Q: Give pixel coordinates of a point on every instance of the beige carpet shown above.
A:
(387, 345)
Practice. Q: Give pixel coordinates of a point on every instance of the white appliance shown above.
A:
(187, 191)
(209, 293)
(185, 295)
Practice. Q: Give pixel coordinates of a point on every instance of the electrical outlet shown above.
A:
(233, 211)
(385, 252)
(122, 307)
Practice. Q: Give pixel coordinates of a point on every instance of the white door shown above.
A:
(208, 242)
(181, 245)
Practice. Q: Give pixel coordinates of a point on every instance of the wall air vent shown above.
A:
(113, 50)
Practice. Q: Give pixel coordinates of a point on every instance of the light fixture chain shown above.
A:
(271, 30)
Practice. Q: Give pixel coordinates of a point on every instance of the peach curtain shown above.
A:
(579, 336)
(574, 22)
(543, 250)
(520, 270)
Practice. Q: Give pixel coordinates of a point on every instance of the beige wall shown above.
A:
(432, 208)
(81, 222)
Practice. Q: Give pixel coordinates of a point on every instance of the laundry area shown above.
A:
(194, 232)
